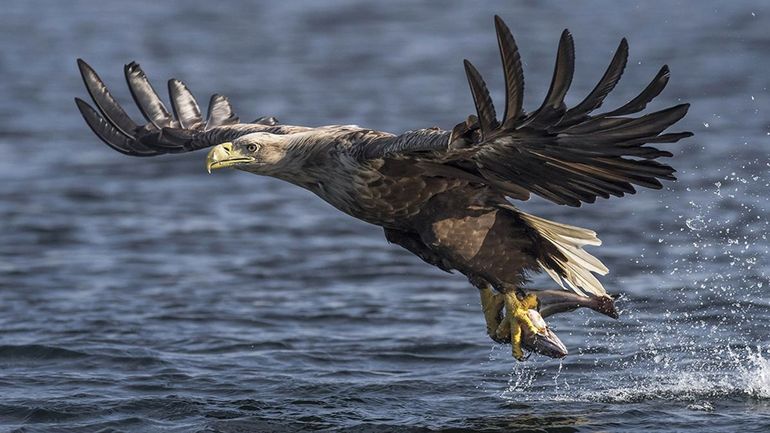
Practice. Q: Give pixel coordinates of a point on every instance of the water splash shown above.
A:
(757, 376)
(746, 375)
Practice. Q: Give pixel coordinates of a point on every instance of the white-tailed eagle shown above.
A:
(443, 194)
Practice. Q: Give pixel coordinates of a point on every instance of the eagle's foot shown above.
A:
(492, 304)
(521, 325)
(517, 321)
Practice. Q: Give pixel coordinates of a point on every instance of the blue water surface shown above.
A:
(143, 295)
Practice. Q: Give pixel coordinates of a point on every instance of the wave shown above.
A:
(43, 352)
(38, 351)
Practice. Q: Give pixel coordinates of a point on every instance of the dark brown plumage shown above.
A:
(440, 194)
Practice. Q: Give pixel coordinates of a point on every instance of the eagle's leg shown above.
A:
(492, 304)
(517, 306)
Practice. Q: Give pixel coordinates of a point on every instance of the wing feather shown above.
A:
(185, 106)
(220, 112)
(107, 132)
(650, 92)
(607, 83)
(104, 100)
(146, 98)
(513, 72)
(553, 107)
(184, 131)
(484, 107)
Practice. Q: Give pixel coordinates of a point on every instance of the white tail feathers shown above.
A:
(577, 264)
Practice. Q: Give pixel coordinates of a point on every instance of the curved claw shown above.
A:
(492, 306)
(524, 328)
(519, 322)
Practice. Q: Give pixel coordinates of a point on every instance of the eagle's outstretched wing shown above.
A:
(568, 156)
(184, 131)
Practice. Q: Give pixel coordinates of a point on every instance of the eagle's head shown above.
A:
(259, 153)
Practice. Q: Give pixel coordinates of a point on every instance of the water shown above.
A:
(144, 295)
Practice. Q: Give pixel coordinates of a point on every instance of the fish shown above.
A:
(559, 301)
(545, 342)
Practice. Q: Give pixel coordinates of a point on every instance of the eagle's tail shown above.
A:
(562, 255)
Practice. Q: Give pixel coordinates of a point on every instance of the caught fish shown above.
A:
(544, 342)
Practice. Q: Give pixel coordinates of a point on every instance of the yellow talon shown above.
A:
(503, 331)
(530, 301)
(492, 307)
(516, 324)
(516, 350)
(517, 317)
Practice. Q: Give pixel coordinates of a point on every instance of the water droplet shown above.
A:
(696, 224)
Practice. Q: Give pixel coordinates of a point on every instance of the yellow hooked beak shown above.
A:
(223, 156)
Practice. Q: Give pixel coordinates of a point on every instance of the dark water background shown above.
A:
(144, 295)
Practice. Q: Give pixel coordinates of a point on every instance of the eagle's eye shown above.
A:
(252, 147)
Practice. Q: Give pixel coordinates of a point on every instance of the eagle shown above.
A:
(444, 195)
